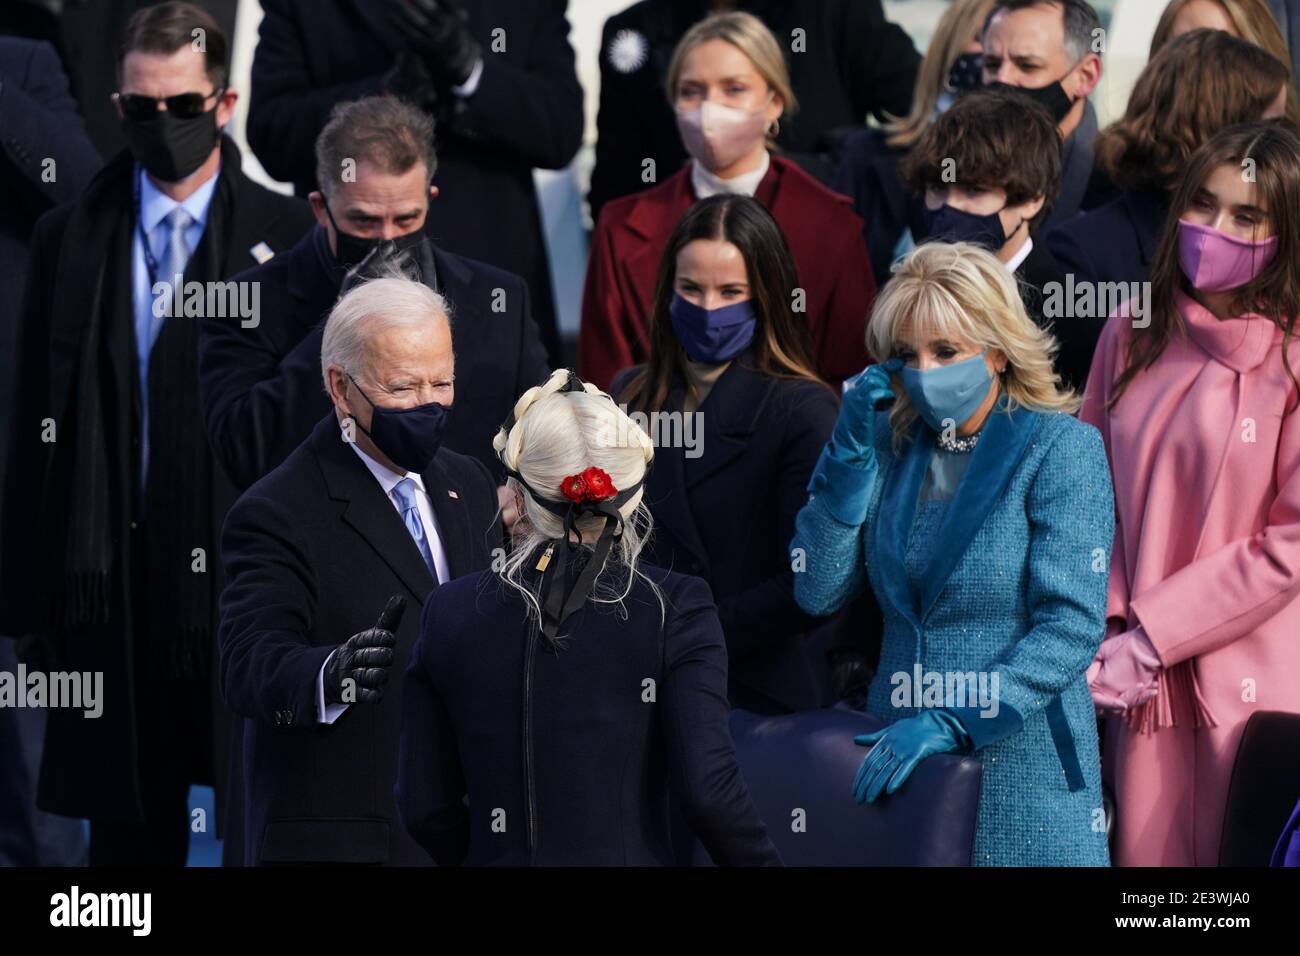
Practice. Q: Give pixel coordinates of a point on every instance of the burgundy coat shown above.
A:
(825, 237)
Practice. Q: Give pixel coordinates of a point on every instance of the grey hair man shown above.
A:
(365, 517)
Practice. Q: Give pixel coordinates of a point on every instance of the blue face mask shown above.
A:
(712, 336)
(948, 395)
(947, 224)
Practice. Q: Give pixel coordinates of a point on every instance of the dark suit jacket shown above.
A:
(728, 514)
(854, 62)
(98, 770)
(262, 390)
(825, 239)
(1045, 290)
(1115, 242)
(527, 112)
(631, 702)
(868, 174)
(312, 553)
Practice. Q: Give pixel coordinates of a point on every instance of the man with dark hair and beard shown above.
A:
(113, 503)
(261, 387)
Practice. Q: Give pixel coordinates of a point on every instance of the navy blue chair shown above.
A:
(800, 770)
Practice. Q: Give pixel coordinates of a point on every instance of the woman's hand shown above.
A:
(853, 435)
(1124, 672)
(900, 747)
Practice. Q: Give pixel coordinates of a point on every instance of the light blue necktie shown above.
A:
(405, 492)
(175, 257)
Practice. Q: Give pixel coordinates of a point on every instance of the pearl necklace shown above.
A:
(960, 445)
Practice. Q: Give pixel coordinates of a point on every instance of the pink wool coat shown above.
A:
(1206, 558)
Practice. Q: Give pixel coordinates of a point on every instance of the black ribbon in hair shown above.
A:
(557, 607)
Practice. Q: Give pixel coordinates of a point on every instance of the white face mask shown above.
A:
(719, 136)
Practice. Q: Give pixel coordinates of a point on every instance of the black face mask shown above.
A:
(947, 224)
(966, 73)
(410, 437)
(350, 251)
(168, 148)
(1051, 97)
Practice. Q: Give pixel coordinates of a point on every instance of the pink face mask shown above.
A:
(1214, 262)
(719, 136)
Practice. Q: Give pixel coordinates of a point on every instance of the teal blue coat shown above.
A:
(1014, 592)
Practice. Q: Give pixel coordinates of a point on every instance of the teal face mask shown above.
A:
(950, 394)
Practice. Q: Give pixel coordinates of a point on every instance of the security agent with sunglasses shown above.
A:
(113, 502)
(328, 559)
(554, 701)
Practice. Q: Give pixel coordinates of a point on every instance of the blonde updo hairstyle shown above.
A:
(560, 433)
(961, 291)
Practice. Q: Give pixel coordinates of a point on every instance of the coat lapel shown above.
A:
(670, 503)
(729, 415)
(995, 459)
(894, 524)
(450, 508)
(367, 509)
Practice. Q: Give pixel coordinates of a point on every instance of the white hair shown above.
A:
(557, 434)
(389, 300)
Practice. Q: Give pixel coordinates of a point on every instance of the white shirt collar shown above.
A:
(1018, 259)
(387, 478)
(707, 184)
(154, 205)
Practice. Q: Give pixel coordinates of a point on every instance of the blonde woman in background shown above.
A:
(868, 168)
(527, 692)
(980, 513)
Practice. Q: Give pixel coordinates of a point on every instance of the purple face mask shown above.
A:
(1214, 262)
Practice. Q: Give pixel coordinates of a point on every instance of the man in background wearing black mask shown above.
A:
(1050, 51)
(261, 384)
(112, 500)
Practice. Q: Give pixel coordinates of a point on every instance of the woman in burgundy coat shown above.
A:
(729, 86)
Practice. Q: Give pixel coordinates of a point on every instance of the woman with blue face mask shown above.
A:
(959, 489)
(738, 417)
(1197, 404)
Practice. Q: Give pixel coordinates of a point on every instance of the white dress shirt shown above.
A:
(707, 184)
(1015, 261)
(388, 480)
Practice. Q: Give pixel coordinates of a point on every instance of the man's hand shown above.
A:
(358, 670)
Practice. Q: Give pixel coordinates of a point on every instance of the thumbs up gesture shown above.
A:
(358, 670)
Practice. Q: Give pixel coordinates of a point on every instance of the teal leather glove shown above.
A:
(853, 438)
(848, 466)
(900, 747)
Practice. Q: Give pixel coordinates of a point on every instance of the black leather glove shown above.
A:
(850, 677)
(364, 659)
(436, 33)
(409, 79)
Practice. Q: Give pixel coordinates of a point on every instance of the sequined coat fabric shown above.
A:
(1005, 585)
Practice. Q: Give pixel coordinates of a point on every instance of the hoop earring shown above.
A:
(775, 129)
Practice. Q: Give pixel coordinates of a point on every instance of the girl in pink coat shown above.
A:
(1196, 403)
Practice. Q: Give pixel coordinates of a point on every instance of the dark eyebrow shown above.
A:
(1249, 208)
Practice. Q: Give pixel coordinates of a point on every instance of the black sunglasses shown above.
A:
(182, 105)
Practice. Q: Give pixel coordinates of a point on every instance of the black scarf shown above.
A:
(94, 495)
